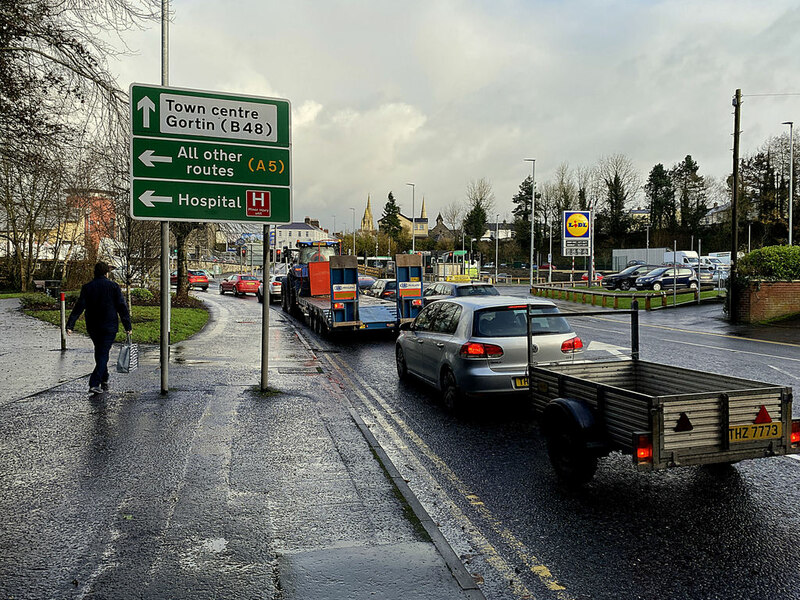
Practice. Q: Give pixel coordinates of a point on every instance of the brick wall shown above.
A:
(768, 300)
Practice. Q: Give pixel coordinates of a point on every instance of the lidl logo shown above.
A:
(576, 224)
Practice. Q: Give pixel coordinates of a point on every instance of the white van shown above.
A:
(713, 262)
(682, 257)
(724, 257)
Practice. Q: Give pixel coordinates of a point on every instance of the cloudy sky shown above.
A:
(442, 92)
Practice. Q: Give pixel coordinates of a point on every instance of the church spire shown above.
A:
(367, 221)
(423, 214)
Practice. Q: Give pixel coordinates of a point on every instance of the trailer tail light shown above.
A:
(794, 438)
(417, 302)
(478, 350)
(338, 306)
(572, 345)
(644, 449)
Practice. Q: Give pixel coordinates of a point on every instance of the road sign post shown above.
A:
(209, 157)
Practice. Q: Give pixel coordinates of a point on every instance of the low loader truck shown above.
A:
(322, 290)
(663, 416)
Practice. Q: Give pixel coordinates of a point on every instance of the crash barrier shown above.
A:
(652, 300)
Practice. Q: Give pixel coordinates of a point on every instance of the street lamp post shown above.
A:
(791, 174)
(533, 204)
(413, 218)
(354, 231)
(496, 245)
(334, 226)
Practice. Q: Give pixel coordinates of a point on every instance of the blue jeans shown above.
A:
(102, 347)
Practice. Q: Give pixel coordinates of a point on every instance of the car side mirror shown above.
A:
(407, 326)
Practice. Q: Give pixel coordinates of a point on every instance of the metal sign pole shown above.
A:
(165, 298)
(265, 312)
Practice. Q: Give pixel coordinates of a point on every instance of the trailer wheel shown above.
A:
(451, 395)
(400, 361)
(571, 460)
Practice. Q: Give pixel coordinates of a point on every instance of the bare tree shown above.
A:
(453, 215)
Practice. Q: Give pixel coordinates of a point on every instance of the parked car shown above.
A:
(365, 282)
(197, 279)
(626, 279)
(207, 273)
(477, 347)
(546, 267)
(667, 278)
(451, 289)
(239, 284)
(384, 288)
(705, 276)
(597, 276)
(274, 284)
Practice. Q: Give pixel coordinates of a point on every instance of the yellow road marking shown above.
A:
(493, 557)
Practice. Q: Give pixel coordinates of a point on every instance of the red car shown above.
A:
(240, 285)
(197, 279)
(597, 276)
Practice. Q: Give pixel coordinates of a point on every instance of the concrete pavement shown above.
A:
(214, 491)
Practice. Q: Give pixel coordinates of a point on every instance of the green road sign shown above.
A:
(208, 156)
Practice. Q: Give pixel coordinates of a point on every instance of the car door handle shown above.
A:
(420, 341)
(439, 345)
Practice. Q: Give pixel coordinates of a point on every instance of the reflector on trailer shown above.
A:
(794, 438)
(338, 305)
(684, 424)
(763, 416)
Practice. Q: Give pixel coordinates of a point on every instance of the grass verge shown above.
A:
(146, 321)
(624, 300)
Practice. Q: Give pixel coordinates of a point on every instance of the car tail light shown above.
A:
(478, 350)
(338, 306)
(572, 345)
(416, 302)
(644, 449)
(794, 438)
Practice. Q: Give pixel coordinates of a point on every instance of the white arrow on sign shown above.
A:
(148, 198)
(146, 106)
(148, 157)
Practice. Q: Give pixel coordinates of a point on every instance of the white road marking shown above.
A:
(784, 372)
(734, 350)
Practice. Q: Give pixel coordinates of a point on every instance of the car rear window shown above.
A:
(510, 322)
(248, 278)
(477, 290)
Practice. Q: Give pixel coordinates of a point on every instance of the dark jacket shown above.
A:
(102, 300)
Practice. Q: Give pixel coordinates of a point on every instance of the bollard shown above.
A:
(63, 322)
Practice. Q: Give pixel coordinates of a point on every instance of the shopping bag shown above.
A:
(128, 359)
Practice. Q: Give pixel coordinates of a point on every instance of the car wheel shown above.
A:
(625, 285)
(451, 395)
(656, 287)
(692, 286)
(400, 361)
(205, 289)
(236, 292)
(221, 289)
(260, 298)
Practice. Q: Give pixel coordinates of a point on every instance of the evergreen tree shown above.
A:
(690, 189)
(390, 222)
(522, 213)
(661, 196)
(475, 221)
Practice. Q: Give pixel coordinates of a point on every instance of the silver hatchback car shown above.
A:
(476, 346)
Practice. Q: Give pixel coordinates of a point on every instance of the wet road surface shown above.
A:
(690, 532)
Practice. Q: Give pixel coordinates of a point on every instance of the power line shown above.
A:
(786, 94)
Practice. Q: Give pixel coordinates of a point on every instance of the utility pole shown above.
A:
(733, 301)
(164, 279)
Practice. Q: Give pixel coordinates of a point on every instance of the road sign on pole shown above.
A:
(208, 156)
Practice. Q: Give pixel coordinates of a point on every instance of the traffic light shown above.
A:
(277, 255)
(244, 251)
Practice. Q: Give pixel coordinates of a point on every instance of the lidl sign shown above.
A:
(209, 156)
(576, 238)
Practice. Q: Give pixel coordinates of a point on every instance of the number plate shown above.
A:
(521, 382)
(752, 433)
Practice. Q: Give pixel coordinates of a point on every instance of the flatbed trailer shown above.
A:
(663, 416)
(372, 313)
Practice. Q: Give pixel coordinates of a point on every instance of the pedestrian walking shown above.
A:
(104, 304)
